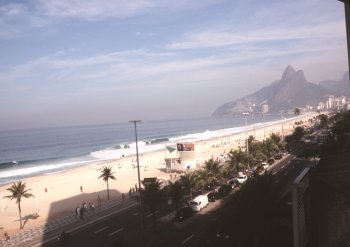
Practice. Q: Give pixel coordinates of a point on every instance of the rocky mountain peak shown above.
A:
(293, 90)
(288, 72)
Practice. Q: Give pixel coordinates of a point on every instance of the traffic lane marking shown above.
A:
(187, 239)
(102, 229)
(115, 232)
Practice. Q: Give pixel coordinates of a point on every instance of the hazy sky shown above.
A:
(68, 62)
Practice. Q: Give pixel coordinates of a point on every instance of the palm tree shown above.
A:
(269, 147)
(189, 181)
(152, 196)
(238, 159)
(296, 111)
(276, 138)
(176, 193)
(106, 175)
(212, 171)
(18, 191)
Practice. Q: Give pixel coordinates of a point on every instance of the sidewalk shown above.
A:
(27, 236)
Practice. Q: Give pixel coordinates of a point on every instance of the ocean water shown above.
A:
(31, 152)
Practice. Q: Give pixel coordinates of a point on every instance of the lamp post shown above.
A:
(138, 169)
(246, 131)
(264, 123)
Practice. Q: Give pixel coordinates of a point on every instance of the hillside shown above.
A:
(341, 86)
(292, 90)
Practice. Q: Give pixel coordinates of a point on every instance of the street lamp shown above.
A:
(138, 169)
(246, 131)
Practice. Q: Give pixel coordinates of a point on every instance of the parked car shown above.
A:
(233, 183)
(265, 165)
(224, 190)
(183, 213)
(259, 169)
(199, 202)
(270, 161)
(212, 196)
(278, 156)
(242, 178)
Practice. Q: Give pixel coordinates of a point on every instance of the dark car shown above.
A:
(224, 190)
(270, 161)
(259, 169)
(278, 156)
(183, 213)
(212, 196)
(233, 182)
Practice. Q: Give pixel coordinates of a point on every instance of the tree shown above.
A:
(176, 193)
(323, 120)
(106, 175)
(296, 111)
(18, 191)
(189, 182)
(152, 196)
(212, 172)
(276, 138)
(238, 159)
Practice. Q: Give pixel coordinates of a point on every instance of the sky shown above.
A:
(81, 62)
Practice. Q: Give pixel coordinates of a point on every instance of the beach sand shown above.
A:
(59, 194)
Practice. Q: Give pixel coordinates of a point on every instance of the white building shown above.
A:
(265, 108)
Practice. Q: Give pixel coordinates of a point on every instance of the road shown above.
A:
(200, 230)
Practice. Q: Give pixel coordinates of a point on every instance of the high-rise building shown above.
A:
(265, 108)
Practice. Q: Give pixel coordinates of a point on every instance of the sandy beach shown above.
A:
(59, 194)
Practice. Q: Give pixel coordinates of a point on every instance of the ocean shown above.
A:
(32, 152)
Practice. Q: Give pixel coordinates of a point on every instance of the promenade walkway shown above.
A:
(54, 227)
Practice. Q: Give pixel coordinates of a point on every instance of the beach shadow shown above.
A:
(29, 217)
(62, 214)
(97, 198)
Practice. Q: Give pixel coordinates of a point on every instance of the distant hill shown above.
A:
(292, 90)
(342, 86)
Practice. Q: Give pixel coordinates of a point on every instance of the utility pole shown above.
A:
(138, 171)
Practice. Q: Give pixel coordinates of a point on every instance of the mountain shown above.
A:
(342, 86)
(292, 90)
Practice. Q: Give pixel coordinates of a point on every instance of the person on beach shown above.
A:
(130, 192)
(98, 200)
(82, 209)
(81, 188)
(77, 212)
(93, 208)
(6, 236)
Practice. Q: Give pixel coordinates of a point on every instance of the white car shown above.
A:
(265, 165)
(199, 202)
(242, 179)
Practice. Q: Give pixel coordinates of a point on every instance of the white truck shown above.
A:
(199, 202)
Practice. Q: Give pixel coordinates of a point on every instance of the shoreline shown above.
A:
(58, 194)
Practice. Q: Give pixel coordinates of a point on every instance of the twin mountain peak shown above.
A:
(291, 91)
